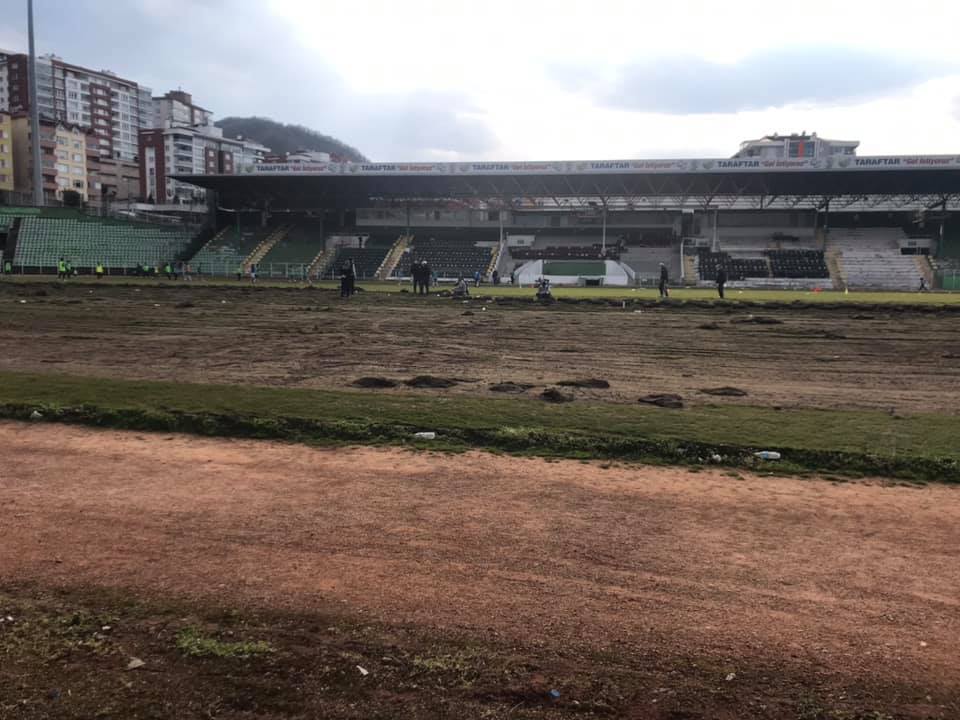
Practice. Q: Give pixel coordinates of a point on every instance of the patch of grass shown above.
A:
(193, 644)
(834, 441)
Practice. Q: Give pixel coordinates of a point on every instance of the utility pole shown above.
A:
(38, 198)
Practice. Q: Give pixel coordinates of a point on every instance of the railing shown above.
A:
(948, 279)
(293, 272)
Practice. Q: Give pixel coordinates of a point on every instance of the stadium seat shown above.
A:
(226, 252)
(86, 241)
(450, 254)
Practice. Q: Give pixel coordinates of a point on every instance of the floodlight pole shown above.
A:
(38, 198)
(500, 218)
(603, 235)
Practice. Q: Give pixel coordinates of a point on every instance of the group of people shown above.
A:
(65, 269)
(423, 276)
(665, 280)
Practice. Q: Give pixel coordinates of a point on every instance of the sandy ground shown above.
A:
(858, 580)
(852, 357)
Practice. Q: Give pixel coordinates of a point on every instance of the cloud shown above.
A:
(256, 63)
(766, 79)
(420, 124)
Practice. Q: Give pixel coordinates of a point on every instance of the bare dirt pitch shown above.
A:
(694, 595)
(851, 357)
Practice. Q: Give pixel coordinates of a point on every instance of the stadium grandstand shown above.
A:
(841, 222)
(34, 240)
(835, 221)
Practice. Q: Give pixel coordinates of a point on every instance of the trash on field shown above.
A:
(35, 415)
(922, 643)
(106, 628)
(716, 458)
(363, 670)
(731, 676)
(425, 435)
(135, 663)
(555, 694)
(23, 302)
(767, 455)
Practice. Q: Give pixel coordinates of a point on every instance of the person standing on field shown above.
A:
(664, 279)
(721, 280)
(416, 272)
(425, 274)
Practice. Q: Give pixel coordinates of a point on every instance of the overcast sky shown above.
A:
(522, 79)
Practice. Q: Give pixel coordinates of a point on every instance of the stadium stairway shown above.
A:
(321, 262)
(10, 249)
(494, 260)
(925, 268)
(393, 257)
(266, 245)
(689, 270)
(832, 258)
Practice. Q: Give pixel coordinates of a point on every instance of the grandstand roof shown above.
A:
(926, 178)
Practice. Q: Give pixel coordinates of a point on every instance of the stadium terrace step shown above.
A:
(226, 252)
(265, 246)
(366, 260)
(43, 238)
(389, 263)
(450, 254)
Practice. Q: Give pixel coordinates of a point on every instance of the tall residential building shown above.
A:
(115, 109)
(6, 153)
(23, 155)
(182, 150)
(65, 157)
(185, 141)
(796, 146)
(176, 109)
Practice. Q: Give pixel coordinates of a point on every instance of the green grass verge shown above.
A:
(919, 447)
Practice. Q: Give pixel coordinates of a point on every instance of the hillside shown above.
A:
(282, 138)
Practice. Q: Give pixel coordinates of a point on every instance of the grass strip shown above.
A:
(918, 447)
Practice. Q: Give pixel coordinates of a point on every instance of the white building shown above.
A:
(183, 150)
(308, 156)
(796, 146)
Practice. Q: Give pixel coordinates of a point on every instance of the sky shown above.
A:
(531, 80)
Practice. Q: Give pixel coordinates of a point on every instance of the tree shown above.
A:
(282, 139)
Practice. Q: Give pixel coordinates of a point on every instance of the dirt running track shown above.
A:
(852, 580)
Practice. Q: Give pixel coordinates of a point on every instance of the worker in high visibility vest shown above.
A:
(99, 270)
(62, 270)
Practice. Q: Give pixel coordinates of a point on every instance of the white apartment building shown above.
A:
(796, 146)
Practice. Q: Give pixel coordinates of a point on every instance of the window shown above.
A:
(77, 158)
(63, 168)
(79, 184)
(78, 171)
(76, 145)
(62, 141)
(63, 155)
